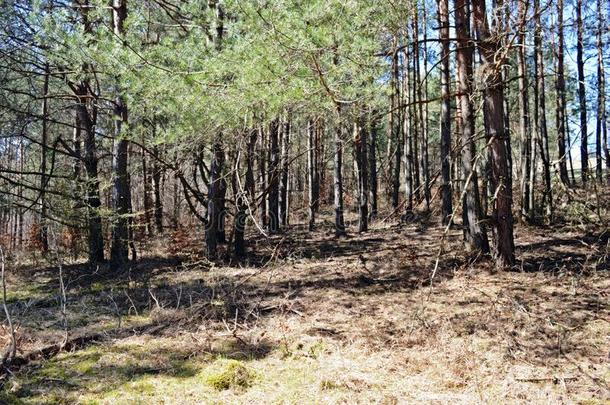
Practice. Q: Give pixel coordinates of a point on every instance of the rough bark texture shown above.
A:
(582, 99)
(475, 236)
(502, 217)
(338, 176)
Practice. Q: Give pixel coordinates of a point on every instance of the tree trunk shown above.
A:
(158, 202)
(372, 155)
(338, 175)
(601, 95)
(543, 137)
(560, 88)
(360, 149)
(44, 232)
(475, 236)
(445, 113)
(582, 97)
(284, 185)
(214, 200)
(121, 194)
(274, 165)
(312, 173)
(395, 131)
(502, 217)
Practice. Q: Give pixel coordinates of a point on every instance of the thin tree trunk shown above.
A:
(445, 113)
(560, 88)
(395, 131)
(274, 165)
(284, 184)
(543, 137)
(502, 217)
(44, 232)
(360, 150)
(214, 200)
(312, 174)
(372, 155)
(158, 202)
(601, 96)
(338, 175)
(584, 151)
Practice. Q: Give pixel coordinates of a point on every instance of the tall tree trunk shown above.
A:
(284, 184)
(582, 97)
(158, 202)
(524, 118)
(262, 170)
(360, 150)
(408, 139)
(214, 199)
(543, 137)
(445, 113)
(274, 164)
(560, 88)
(423, 108)
(395, 131)
(372, 157)
(502, 217)
(44, 231)
(475, 236)
(338, 175)
(86, 113)
(312, 173)
(601, 95)
(121, 194)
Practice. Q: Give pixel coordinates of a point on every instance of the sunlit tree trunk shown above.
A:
(582, 97)
(445, 113)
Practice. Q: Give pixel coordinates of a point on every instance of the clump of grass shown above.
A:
(234, 374)
(9, 399)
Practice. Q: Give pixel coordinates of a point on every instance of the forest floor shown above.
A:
(314, 319)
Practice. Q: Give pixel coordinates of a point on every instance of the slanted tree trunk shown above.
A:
(475, 236)
(582, 97)
(360, 151)
(560, 88)
(445, 113)
(502, 217)
(121, 194)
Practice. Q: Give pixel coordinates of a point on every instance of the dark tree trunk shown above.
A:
(445, 113)
(408, 140)
(601, 96)
(214, 200)
(475, 236)
(582, 97)
(312, 174)
(274, 165)
(338, 175)
(502, 217)
(360, 151)
(541, 128)
(44, 231)
(284, 184)
(262, 170)
(146, 197)
(372, 155)
(156, 176)
(560, 88)
(121, 194)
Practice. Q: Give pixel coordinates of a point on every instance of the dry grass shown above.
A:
(355, 320)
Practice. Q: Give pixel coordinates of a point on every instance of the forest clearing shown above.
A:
(304, 201)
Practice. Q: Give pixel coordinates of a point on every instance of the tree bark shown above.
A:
(372, 155)
(360, 149)
(502, 217)
(284, 160)
(601, 97)
(338, 175)
(214, 199)
(445, 113)
(312, 174)
(475, 236)
(44, 231)
(584, 151)
(121, 194)
(560, 88)
(274, 165)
